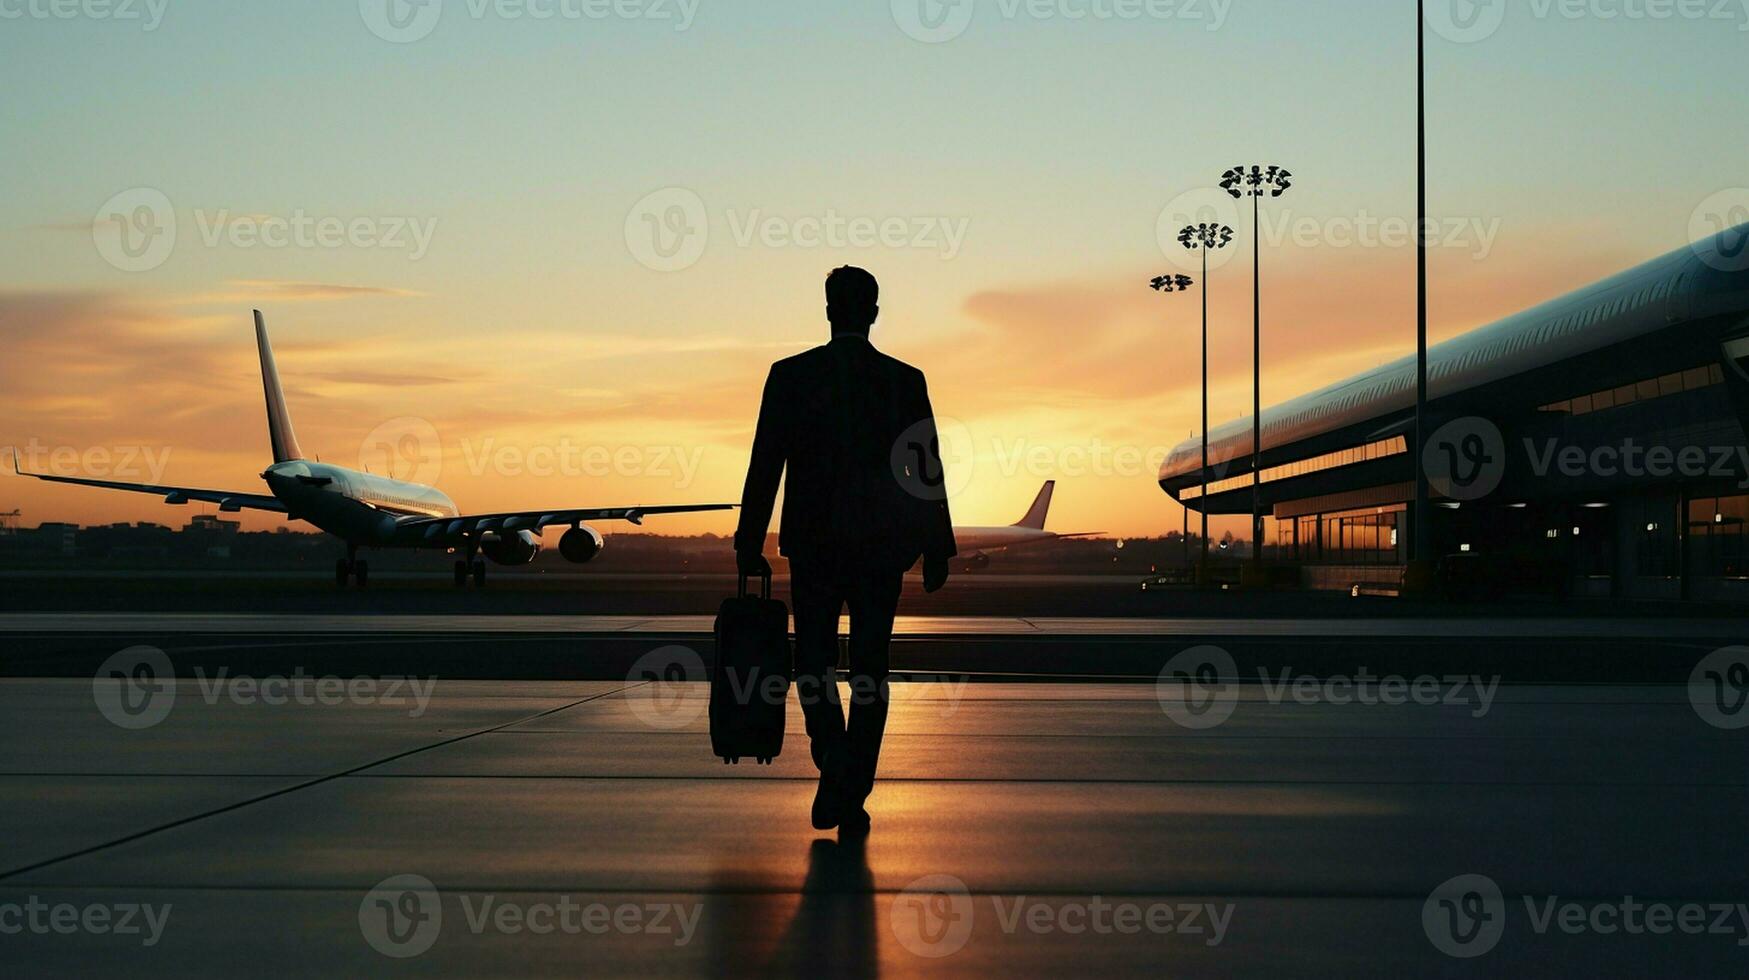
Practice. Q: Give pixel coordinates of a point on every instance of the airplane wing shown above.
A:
(229, 501)
(1045, 540)
(434, 528)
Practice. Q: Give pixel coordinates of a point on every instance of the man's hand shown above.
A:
(934, 573)
(752, 564)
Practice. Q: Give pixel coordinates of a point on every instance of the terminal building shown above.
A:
(1593, 445)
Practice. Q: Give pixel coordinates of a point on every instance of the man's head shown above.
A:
(852, 300)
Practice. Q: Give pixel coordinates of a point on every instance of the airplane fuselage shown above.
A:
(975, 539)
(359, 508)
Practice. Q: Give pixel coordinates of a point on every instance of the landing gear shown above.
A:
(470, 568)
(351, 567)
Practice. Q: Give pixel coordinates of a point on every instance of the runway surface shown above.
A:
(1042, 829)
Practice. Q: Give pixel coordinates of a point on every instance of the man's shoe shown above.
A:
(855, 822)
(828, 802)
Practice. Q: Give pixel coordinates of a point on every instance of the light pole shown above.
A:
(1255, 183)
(1204, 237)
(1177, 284)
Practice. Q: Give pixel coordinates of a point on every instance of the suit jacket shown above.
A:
(856, 433)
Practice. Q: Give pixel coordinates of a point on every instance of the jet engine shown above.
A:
(516, 548)
(580, 544)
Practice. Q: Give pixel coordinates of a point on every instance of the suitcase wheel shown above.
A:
(764, 760)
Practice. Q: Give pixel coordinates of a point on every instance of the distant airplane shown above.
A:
(364, 510)
(975, 543)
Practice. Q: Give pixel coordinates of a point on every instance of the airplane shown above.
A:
(365, 510)
(975, 543)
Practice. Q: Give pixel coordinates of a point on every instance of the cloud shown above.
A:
(256, 290)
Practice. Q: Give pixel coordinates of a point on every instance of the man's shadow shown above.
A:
(832, 932)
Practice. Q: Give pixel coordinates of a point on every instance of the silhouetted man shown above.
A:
(863, 500)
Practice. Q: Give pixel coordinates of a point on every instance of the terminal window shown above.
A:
(1673, 383)
(1716, 536)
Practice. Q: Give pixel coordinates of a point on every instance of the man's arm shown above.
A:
(764, 471)
(938, 540)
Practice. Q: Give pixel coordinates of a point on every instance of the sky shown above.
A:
(541, 253)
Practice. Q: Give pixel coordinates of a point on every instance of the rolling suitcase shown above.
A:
(751, 677)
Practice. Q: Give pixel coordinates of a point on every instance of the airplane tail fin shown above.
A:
(279, 426)
(1035, 515)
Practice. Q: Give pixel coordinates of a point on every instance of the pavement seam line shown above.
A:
(183, 821)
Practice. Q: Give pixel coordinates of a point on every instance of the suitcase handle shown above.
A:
(764, 586)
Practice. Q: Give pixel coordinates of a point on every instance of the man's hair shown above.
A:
(850, 288)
